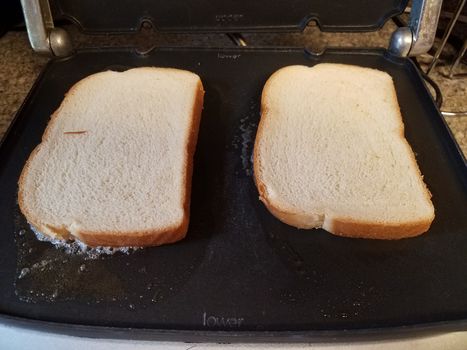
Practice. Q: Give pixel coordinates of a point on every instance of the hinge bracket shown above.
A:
(418, 37)
(43, 35)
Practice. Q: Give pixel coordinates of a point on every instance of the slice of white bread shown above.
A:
(115, 163)
(330, 152)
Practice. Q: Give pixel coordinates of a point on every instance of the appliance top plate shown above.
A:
(228, 15)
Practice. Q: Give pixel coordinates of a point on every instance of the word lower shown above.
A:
(217, 321)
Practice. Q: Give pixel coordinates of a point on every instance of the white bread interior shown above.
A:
(115, 163)
(330, 152)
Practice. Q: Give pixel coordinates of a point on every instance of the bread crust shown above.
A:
(144, 238)
(348, 227)
(359, 229)
(344, 226)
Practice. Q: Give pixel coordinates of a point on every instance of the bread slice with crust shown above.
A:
(330, 152)
(115, 163)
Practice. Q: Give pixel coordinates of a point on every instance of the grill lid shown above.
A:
(228, 15)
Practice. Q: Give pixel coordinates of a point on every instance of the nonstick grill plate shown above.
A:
(240, 270)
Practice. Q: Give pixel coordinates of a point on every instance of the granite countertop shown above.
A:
(20, 66)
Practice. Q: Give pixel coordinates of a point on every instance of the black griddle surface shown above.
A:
(238, 263)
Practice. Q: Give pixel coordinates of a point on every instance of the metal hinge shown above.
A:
(43, 35)
(419, 36)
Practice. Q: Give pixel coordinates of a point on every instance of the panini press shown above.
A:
(240, 274)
